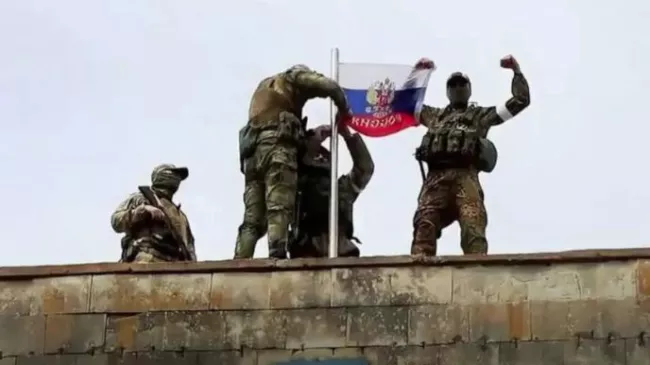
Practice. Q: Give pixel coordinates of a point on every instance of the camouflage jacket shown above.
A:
(122, 222)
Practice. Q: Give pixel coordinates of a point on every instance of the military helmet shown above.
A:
(168, 168)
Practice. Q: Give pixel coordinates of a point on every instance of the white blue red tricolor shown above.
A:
(384, 98)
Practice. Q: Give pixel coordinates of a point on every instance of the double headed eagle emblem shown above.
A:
(381, 93)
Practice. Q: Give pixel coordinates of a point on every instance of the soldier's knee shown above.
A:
(281, 198)
(424, 217)
(425, 230)
(254, 212)
(472, 213)
(282, 173)
(253, 229)
(424, 222)
(281, 189)
(472, 234)
(281, 204)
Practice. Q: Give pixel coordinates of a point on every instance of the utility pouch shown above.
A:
(487, 155)
(247, 144)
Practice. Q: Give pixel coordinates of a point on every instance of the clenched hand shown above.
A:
(424, 64)
(144, 212)
(510, 62)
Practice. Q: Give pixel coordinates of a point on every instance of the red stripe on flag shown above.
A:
(372, 126)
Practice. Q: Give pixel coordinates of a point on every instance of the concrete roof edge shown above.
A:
(267, 265)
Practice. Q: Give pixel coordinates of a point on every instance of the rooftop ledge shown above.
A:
(267, 265)
(589, 306)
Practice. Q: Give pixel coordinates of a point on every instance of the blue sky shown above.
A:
(94, 94)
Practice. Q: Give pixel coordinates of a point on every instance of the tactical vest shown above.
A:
(314, 203)
(272, 97)
(455, 141)
(274, 116)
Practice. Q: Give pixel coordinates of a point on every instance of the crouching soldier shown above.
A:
(156, 230)
(310, 233)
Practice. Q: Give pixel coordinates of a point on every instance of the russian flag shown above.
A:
(384, 98)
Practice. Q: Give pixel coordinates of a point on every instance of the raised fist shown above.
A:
(510, 62)
(424, 64)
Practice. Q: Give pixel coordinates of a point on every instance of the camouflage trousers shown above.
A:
(269, 199)
(446, 196)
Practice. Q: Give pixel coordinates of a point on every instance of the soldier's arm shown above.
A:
(363, 166)
(429, 115)
(317, 85)
(516, 104)
(122, 217)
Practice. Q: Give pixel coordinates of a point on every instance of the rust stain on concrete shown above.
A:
(643, 279)
(518, 320)
(58, 332)
(125, 331)
(53, 301)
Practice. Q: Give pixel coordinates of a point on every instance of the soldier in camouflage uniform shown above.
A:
(148, 237)
(268, 147)
(454, 148)
(310, 236)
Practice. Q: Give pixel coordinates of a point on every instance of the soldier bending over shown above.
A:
(268, 147)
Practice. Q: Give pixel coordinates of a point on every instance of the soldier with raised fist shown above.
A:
(456, 149)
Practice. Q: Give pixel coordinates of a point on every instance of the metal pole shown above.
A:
(334, 171)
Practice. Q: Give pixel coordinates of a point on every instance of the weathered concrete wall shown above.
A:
(573, 308)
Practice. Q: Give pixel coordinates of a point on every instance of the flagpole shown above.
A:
(334, 171)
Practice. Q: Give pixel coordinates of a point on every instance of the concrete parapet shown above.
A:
(579, 307)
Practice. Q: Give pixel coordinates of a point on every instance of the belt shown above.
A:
(450, 161)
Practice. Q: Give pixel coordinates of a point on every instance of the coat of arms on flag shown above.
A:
(380, 95)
